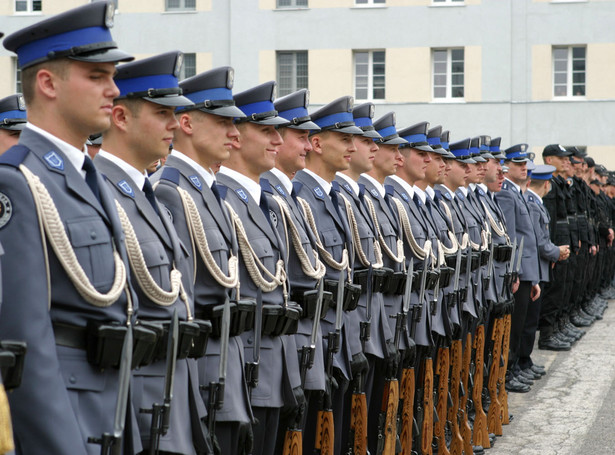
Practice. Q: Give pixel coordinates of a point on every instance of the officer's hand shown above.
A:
(564, 252)
(358, 364)
(515, 286)
(535, 292)
(593, 250)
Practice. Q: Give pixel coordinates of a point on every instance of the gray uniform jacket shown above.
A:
(547, 251)
(389, 228)
(379, 328)
(269, 249)
(499, 267)
(299, 281)
(420, 230)
(161, 250)
(515, 210)
(62, 399)
(334, 234)
(207, 291)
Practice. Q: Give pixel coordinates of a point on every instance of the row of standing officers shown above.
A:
(286, 282)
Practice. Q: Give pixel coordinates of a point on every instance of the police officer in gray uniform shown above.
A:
(263, 251)
(303, 267)
(142, 125)
(548, 253)
(332, 149)
(516, 212)
(12, 120)
(64, 399)
(205, 136)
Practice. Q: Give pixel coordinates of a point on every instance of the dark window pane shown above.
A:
(578, 52)
(578, 65)
(578, 78)
(457, 67)
(283, 3)
(578, 90)
(457, 79)
(457, 92)
(378, 93)
(37, 5)
(190, 4)
(457, 54)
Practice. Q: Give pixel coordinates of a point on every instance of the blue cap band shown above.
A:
(474, 150)
(329, 120)
(516, 154)
(484, 148)
(13, 114)
(444, 145)
(546, 176)
(433, 140)
(416, 138)
(140, 84)
(495, 148)
(257, 108)
(297, 112)
(39, 49)
(388, 131)
(362, 122)
(214, 94)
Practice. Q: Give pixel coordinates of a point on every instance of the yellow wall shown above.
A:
(408, 75)
(7, 82)
(203, 61)
(267, 66)
(336, 80)
(600, 61)
(542, 69)
(603, 154)
(472, 73)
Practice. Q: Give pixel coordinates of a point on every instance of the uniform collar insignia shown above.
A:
(125, 188)
(242, 194)
(405, 197)
(447, 196)
(196, 182)
(347, 187)
(374, 192)
(319, 192)
(54, 161)
(280, 190)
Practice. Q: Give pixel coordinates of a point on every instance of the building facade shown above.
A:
(535, 71)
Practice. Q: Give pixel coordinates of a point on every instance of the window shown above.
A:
(569, 71)
(369, 2)
(291, 3)
(448, 2)
(188, 68)
(28, 6)
(17, 73)
(448, 69)
(369, 75)
(292, 71)
(180, 5)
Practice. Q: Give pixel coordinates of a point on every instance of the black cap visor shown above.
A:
(111, 55)
(307, 126)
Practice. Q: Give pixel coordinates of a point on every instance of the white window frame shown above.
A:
(181, 8)
(370, 74)
(17, 76)
(293, 5)
(294, 69)
(370, 4)
(449, 75)
(448, 2)
(29, 7)
(569, 73)
(182, 71)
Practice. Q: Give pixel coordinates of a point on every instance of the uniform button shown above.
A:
(93, 234)
(72, 379)
(161, 257)
(250, 341)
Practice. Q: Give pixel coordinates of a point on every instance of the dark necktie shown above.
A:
(149, 194)
(214, 189)
(334, 198)
(90, 176)
(264, 205)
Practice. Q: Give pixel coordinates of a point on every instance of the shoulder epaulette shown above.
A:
(15, 155)
(221, 190)
(171, 174)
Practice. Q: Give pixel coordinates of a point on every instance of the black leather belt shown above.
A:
(71, 336)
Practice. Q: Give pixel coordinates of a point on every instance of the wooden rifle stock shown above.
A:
(466, 429)
(480, 436)
(494, 416)
(406, 396)
(325, 436)
(453, 410)
(503, 394)
(427, 424)
(358, 423)
(293, 442)
(388, 412)
(442, 368)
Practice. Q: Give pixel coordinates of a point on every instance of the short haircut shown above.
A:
(28, 75)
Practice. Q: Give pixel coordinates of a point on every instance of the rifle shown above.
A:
(406, 396)
(442, 371)
(162, 412)
(325, 437)
(456, 446)
(358, 416)
(481, 436)
(464, 390)
(216, 389)
(293, 439)
(425, 394)
(494, 417)
(111, 443)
